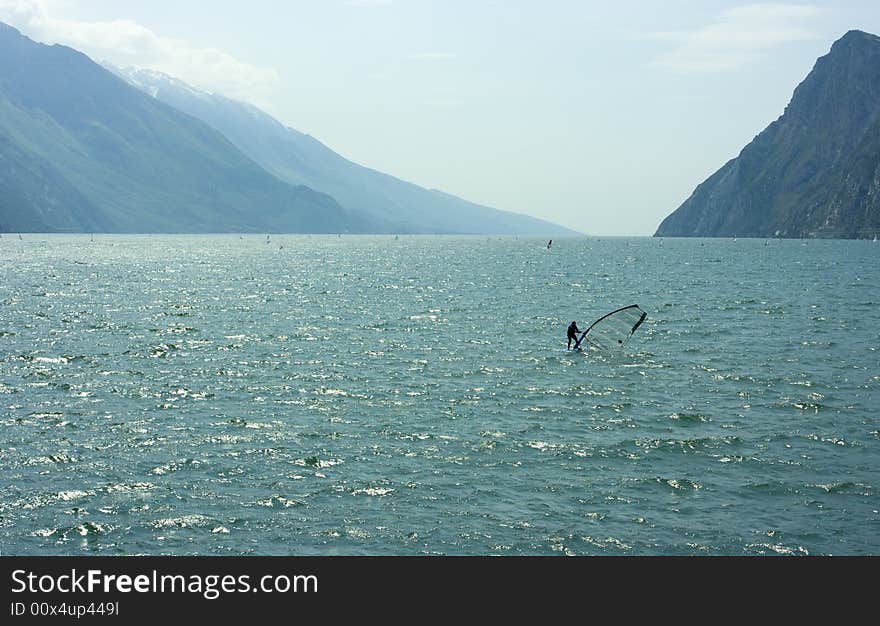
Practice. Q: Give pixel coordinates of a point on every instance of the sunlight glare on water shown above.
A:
(373, 395)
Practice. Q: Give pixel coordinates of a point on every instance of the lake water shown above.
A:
(372, 395)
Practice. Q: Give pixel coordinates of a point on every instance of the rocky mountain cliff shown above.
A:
(814, 172)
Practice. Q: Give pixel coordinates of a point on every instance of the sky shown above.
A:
(601, 116)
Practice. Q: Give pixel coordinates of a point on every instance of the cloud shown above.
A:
(738, 37)
(127, 43)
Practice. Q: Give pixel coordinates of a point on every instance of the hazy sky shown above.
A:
(602, 116)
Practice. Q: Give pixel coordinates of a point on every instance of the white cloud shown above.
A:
(739, 36)
(127, 43)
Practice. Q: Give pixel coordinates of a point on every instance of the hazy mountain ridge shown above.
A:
(298, 158)
(814, 172)
(83, 151)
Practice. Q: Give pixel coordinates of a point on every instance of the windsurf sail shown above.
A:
(614, 329)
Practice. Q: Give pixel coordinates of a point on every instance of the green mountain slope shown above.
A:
(814, 172)
(99, 155)
(36, 197)
(298, 158)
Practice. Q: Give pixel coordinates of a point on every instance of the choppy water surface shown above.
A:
(373, 395)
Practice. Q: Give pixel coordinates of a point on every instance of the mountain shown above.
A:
(83, 151)
(814, 172)
(298, 158)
